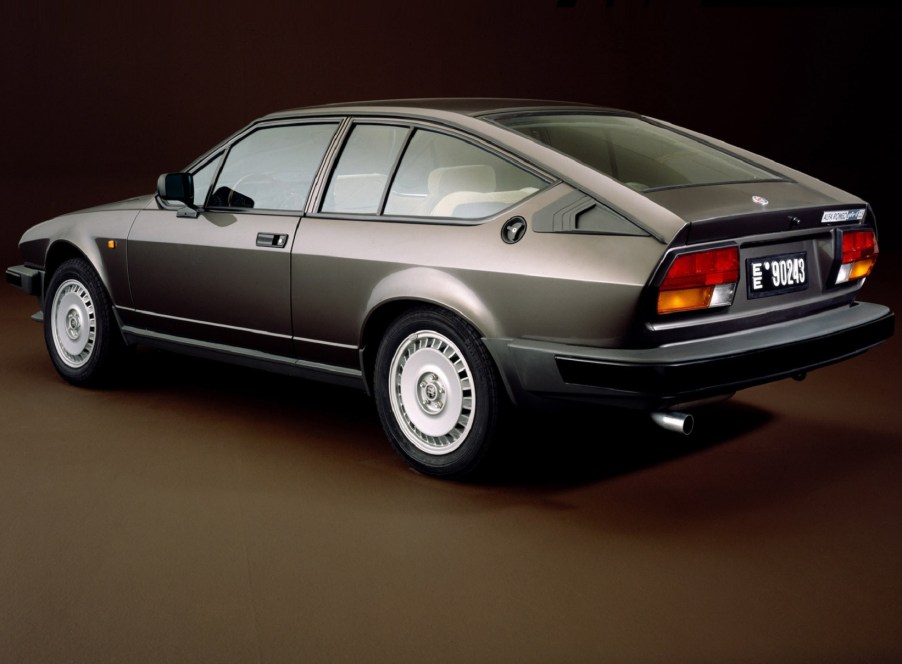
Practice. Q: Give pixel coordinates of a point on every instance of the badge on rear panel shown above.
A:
(760, 200)
(839, 216)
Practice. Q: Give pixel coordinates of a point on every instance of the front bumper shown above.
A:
(27, 279)
(653, 378)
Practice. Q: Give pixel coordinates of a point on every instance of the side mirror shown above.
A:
(178, 187)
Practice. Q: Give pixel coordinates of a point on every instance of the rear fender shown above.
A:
(436, 287)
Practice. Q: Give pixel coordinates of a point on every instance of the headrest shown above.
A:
(476, 177)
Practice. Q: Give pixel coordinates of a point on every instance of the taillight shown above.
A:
(859, 254)
(700, 280)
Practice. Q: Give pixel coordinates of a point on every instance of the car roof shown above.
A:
(469, 106)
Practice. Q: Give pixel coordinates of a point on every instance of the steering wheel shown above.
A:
(254, 179)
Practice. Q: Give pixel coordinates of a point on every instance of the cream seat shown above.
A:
(476, 204)
(451, 179)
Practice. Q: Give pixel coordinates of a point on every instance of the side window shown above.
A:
(203, 178)
(443, 176)
(272, 168)
(359, 179)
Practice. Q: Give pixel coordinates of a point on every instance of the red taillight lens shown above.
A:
(703, 268)
(700, 280)
(857, 245)
(859, 255)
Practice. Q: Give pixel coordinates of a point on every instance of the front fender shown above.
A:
(98, 236)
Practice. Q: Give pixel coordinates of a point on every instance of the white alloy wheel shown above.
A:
(73, 323)
(438, 393)
(79, 325)
(432, 392)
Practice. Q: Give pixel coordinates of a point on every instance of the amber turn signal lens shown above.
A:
(684, 299)
(862, 268)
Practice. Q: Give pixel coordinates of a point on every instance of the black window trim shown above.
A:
(315, 208)
(329, 169)
(225, 147)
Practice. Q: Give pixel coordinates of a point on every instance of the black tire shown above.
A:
(80, 330)
(438, 393)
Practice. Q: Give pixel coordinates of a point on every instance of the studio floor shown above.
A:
(204, 513)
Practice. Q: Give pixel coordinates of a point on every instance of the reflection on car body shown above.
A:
(448, 255)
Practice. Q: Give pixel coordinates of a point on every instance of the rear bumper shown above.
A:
(666, 376)
(27, 279)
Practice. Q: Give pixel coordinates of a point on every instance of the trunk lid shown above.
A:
(731, 211)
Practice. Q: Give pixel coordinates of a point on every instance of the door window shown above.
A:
(272, 168)
(358, 182)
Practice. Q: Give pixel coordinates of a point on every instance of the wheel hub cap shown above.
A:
(431, 393)
(73, 324)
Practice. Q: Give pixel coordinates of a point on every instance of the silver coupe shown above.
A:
(451, 256)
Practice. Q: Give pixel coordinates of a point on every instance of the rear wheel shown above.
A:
(437, 392)
(79, 327)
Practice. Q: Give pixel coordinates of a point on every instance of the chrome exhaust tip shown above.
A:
(672, 421)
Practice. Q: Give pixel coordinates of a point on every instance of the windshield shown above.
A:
(638, 153)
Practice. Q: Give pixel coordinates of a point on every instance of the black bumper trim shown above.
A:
(728, 373)
(26, 278)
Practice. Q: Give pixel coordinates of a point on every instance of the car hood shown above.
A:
(134, 203)
(730, 210)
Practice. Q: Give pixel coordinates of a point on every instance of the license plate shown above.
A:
(774, 275)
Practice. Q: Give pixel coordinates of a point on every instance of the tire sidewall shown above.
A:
(476, 444)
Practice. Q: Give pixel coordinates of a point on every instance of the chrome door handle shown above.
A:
(277, 240)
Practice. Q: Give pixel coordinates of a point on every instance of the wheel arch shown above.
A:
(381, 318)
(413, 288)
(62, 250)
(59, 252)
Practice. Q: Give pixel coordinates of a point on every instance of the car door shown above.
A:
(224, 277)
(398, 198)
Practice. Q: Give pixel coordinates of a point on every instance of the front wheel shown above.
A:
(79, 327)
(437, 392)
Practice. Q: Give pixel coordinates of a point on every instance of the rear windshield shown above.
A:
(638, 153)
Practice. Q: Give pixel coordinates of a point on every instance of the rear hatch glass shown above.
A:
(637, 152)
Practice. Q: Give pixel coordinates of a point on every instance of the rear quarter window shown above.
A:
(444, 176)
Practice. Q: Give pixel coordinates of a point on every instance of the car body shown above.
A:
(450, 255)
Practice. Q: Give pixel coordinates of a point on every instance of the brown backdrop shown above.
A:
(206, 513)
(99, 100)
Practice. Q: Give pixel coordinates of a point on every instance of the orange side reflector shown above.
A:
(111, 244)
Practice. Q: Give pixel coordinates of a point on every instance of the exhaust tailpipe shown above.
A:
(672, 421)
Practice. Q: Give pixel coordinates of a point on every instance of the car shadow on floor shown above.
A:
(535, 448)
(560, 449)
